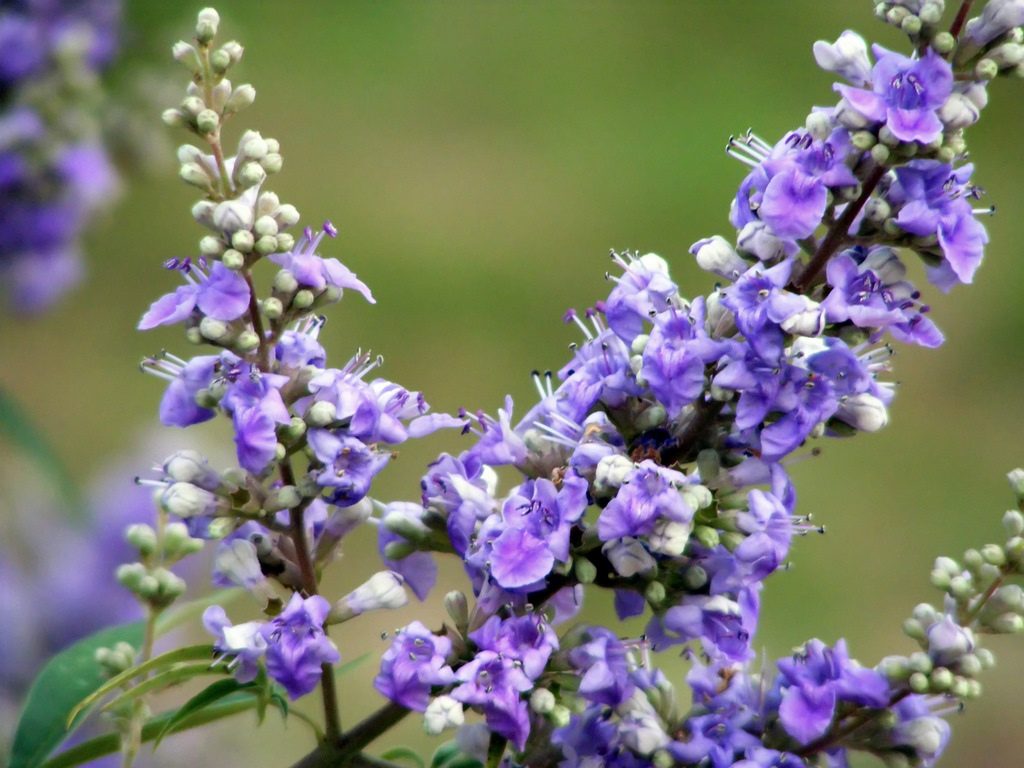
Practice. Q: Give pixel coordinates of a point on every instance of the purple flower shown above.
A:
(905, 94)
(650, 493)
(413, 664)
(297, 646)
(256, 407)
(459, 489)
(815, 680)
(724, 626)
(349, 465)
(245, 642)
(869, 291)
(222, 295)
(178, 407)
(998, 17)
(528, 639)
(644, 288)
(314, 272)
(494, 682)
(603, 661)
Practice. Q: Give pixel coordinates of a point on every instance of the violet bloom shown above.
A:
(349, 465)
(495, 683)
(675, 356)
(814, 681)
(905, 95)
(934, 200)
(245, 643)
(723, 625)
(297, 646)
(414, 664)
(312, 271)
(529, 639)
(256, 407)
(462, 490)
(869, 291)
(644, 288)
(604, 663)
(598, 372)
(650, 493)
(222, 294)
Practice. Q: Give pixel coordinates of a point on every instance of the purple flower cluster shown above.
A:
(54, 173)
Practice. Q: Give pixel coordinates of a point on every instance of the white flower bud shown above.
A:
(232, 216)
(958, 112)
(187, 500)
(207, 121)
(383, 590)
(287, 215)
(187, 55)
(756, 239)
(715, 254)
(864, 412)
(442, 713)
(252, 174)
(670, 537)
(243, 96)
(196, 175)
(847, 57)
(243, 241)
(234, 50)
(188, 466)
(611, 471)
(542, 701)
(697, 496)
(206, 24)
(809, 321)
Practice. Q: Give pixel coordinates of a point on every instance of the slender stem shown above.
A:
(213, 139)
(347, 750)
(263, 351)
(496, 750)
(975, 611)
(837, 234)
(961, 16)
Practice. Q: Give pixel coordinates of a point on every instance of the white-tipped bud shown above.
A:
(234, 50)
(243, 96)
(207, 121)
(321, 413)
(809, 321)
(188, 466)
(715, 254)
(542, 701)
(611, 471)
(232, 216)
(757, 240)
(142, 537)
(243, 241)
(206, 25)
(238, 562)
(847, 57)
(285, 282)
(697, 496)
(287, 215)
(196, 175)
(670, 537)
(187, 55)
(272, 163)
(215, 330)
(255, 148)
(251, 174)
(958, 112)
(442, 713)
(186, 500)
(264, 226)
(863, 412)
(233, 260)
(819, 125)
(383, 590)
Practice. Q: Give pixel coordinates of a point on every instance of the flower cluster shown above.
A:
(54, 171)
(653, 462)
(309, 438)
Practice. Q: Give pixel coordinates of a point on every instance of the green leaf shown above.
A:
(185, 612)
(343, 669)
(210, 695)
(178, 673)
(66, 679)
(18, 429)
(448, 755)
(240, 701)
(189, 653)
(404, 753)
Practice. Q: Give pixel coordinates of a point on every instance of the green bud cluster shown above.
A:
(116, 659)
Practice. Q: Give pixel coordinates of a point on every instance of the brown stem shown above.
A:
(961, 16)
(837, 234)
(263, 351)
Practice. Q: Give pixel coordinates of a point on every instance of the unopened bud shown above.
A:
(442, 713)
(206, 25)
(207, 121)
(195, 174)
(383, 590)
(542, 701)
(457, 606)
(243, 96)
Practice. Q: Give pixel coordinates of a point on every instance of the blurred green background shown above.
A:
(480, 159)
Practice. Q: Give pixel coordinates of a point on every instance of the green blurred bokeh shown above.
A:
(480, 159)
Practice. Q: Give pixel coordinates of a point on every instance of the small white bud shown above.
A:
(188, 466)
(847, 57)
(715, 254)
(383, 590)
(206, 25)
(864, 412)
(670, 537)
(629, 557)
(243, 96)
(442, 713)
(186, 500)
(611, 472)
(232, 216)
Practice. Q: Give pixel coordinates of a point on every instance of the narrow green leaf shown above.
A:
(448, 755)
(18, 429)
(343, 669)
(241, 701)
(66, 679)
(207, 697)
(179, 673)
(404, 753)
(185, 612)
(189, 653)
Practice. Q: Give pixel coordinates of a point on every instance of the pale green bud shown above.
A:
(663, 759)
(695, 578)
(220, 61)
(265, 225)
(303, 299)
(195, 174)
(408, 527)
(273, 308)
(287, 215)
(206, 25)
(655, 593)
(986, 69)
(986, 657)
(941, 679)
(172, 118)
(243, 96)
(234, 50)
(285, 282)
(233, 260)
(211, 246)
(214, 330)
(919, 683)
(585, 570)
(970, 665)
(911, 25)
(973, 559)
(912, 628)
(247, 341)
(1013, 522)
(542, 701)
(272, 163)
(207, 121)
(251, 174)
(896, 669)
(170, 586)
(457, 606)
(187, 55)
(255, 148)
(1007, 624)
(707, 536)
(880, 154)
(142, 537)
(993, 554)
(268, 202)
(863, 140)
(193, 336)
(285, 497)
(273, 145)
(178, 542)
(266, 245)
(960, 687)
(961, 588)
(285, 242)
(560, 716)
(243, 241)
(920, 662)
(320, 414)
